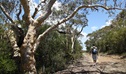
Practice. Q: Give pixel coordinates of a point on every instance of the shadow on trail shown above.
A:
(90, 72)
(87, 69)
(96, 72)
(106, 65)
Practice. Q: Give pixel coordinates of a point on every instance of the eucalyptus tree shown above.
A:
(32, 14)
(120, 21)
(116, 36)
(7, 64)
(110, 39)
(74, 28)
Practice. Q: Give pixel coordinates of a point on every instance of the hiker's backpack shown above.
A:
(94, 51)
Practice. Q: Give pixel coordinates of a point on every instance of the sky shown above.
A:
(96, 20)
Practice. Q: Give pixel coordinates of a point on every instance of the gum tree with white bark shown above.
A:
(31, 15)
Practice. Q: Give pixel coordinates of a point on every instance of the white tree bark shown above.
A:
(27, 53)
(12, 38)
(30, 42)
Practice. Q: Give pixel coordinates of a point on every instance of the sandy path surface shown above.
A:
(103, 58)
(107, 64)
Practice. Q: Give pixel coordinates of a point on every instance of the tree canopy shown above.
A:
(24, 18)
(110, 39)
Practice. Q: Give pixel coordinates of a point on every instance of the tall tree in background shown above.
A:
(45, 11)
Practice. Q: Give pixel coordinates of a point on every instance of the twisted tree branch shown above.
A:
(67, 18)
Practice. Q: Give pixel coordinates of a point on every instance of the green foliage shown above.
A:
(110, 39)
(53, 53)
(7, 64)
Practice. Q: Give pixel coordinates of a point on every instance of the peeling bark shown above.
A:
(13, 41)
(27, 53)
(30, 42)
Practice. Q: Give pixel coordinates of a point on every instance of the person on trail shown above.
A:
(94, 52)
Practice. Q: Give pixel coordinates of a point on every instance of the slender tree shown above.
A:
(43, 12)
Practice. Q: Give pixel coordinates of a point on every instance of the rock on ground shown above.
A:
(107, 64)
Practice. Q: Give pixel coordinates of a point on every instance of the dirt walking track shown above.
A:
(107, 64)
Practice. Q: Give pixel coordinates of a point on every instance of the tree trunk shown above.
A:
(27, 52)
